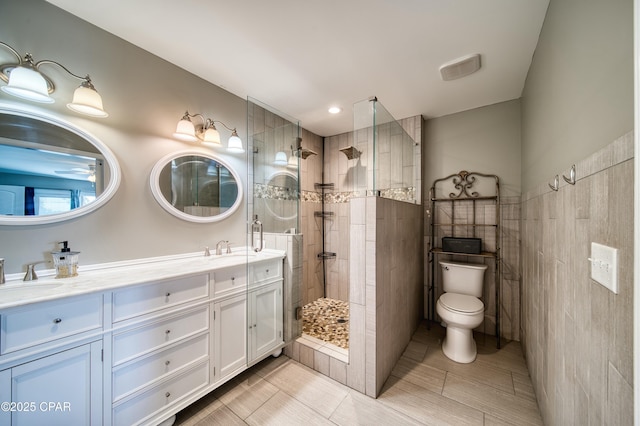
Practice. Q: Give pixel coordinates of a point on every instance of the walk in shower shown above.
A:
(350, 201)
(376, 159)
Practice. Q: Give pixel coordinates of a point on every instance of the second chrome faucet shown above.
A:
(219, 246)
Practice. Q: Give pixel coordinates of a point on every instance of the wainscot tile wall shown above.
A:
(578, 335)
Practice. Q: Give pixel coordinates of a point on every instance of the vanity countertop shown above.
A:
(107, 277)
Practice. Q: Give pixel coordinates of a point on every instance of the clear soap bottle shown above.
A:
(65, 261)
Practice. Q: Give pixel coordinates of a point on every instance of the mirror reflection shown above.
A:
(196, 187)
(282, 197)
(50, 170)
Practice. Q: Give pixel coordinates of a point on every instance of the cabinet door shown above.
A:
(265, 305)
(61, 389)
(231, 337)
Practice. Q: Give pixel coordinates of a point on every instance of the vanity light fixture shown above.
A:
(206, 132)
(25, 80)
(281, 159)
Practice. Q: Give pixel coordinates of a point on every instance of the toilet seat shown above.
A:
(461, 303)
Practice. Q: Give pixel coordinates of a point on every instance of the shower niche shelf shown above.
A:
(323, 214)
(454, 191)
(324, 186)
(327, 255)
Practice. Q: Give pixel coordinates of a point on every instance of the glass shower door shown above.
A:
(274, 199)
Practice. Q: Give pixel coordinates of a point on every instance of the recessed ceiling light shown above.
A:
(334, 110)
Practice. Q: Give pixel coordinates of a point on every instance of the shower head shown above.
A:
(304, 153)
(351, 152)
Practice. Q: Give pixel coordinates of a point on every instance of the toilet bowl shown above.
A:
(461, 313)
(460, 308)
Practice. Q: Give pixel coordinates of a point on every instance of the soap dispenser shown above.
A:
(65, 261)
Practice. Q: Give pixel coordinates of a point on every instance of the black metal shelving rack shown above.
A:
(463, 182)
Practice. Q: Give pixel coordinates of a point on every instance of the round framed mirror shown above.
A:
(196, 186)
(50, 169)
(282, 198)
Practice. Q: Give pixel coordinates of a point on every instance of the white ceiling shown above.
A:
(300, 57)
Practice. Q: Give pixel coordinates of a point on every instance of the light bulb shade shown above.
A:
(235, 144)
(185, 131)
(29, 84)
(87, 101)
(281, 159)
(212, 136)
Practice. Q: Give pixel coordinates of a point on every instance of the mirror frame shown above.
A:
(269, 179)
(109, 157)
(154, 181)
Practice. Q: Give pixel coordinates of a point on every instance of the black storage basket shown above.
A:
(462, 245)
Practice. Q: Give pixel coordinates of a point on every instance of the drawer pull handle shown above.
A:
(168, 331)
(168, 394)
(167, 362)
(267, 271)
(57, 320)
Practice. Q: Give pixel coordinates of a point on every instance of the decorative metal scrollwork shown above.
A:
(463, 182)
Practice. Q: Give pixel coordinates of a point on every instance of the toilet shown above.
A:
(460, 308)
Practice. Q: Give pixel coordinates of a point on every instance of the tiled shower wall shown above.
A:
(344, 174)
(310, 202)
(578, 335)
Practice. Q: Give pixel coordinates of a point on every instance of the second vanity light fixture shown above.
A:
(206, 132)
(25, 80)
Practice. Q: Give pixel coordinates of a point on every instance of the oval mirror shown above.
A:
(282, 199)
(196, 186)
(50, 169)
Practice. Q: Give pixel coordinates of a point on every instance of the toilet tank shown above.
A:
(462, 278)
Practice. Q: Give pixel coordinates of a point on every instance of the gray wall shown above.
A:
(578, 96)
(485, 140)
(577, 108)
(145, 97)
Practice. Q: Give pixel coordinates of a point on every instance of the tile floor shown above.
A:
(425, 388)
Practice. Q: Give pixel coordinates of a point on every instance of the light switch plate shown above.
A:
(604, 266)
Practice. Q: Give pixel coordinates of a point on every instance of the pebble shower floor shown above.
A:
(327, 320)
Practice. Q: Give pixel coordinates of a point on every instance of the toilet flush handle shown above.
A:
(446, 268)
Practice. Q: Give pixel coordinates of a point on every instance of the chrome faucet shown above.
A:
(31, 272)
(219, 247)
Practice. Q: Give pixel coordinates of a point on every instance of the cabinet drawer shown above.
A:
(157, 366)
(227, 281)
(135, 410)
(139, 300)
(266, 271)
(44, 322)
(148, 338)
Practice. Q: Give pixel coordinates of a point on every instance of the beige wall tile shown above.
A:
(577, 335)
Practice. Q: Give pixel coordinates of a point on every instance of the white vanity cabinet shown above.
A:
(231, 336)
(135, 345)
(52, 352)
(265, 320)
(160, 346)
(265, 304)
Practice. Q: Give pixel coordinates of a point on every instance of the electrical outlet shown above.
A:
(604, 266)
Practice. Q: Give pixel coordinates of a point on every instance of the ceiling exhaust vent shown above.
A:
(461, 67)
